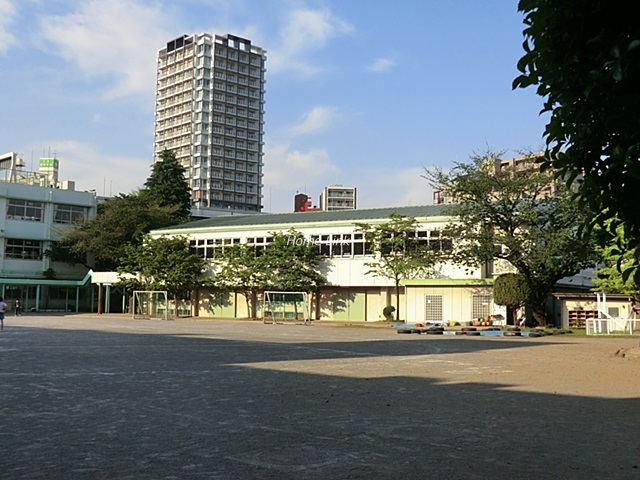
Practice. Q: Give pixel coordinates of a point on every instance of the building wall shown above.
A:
(457, 302)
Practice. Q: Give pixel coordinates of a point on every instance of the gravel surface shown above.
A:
(108, 397)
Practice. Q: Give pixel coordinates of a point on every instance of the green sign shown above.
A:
(48, 163)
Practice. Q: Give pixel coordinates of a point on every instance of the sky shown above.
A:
(358, 93)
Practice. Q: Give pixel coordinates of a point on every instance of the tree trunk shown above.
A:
(398, 300)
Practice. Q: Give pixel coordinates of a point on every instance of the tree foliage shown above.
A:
(239, 270)
(100, 242)
(583, 57)
(168, 187)
(511, 290)
(399, 253)
(289, 262)
(163, 263)
(515, 214)
(614, 259)
(123, 220)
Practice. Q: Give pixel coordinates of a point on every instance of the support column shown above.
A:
(100, 298)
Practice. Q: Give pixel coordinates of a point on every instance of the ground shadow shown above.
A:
(93, 404)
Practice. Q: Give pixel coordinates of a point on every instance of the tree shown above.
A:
(518, 215)
(399, 253)
(583, 57)
(122, 220)
(239, 270)
(291, 262)
(168, 186)
(163, 263)
(100, 242)
(615, 258)
(512, 291)
(288, 263)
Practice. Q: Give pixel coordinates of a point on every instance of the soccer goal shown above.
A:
(281, 307)
(151, 304)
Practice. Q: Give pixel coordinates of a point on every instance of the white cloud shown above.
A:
(92, 169)
(7, 16)
(292, 171)
(381, 65)
(118, 39)
(305, 31)
(318, 119)
(393, 188)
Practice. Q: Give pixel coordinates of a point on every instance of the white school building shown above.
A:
(454, 293)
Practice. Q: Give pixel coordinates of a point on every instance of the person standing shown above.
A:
(17, 307)
(3, 307)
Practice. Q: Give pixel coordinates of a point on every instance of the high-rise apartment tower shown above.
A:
(209, 112)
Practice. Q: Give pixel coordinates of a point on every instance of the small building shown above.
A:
(302, 203)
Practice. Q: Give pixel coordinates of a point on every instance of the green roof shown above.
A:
(261, 219)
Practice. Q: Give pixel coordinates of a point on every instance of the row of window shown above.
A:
(226, 152)
(34, 211)
(218, 162)
(334, 245)
(203, 117)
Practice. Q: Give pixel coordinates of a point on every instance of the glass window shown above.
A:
(23, 249)
(69, 214)
(25, 210)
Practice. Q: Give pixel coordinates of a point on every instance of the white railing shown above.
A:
(613, 326)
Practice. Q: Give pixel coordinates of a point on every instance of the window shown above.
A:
(23, 249)
(25, 210)
(433, 308)
(69, 214)
(481, 306)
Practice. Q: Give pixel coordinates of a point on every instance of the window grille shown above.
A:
(481, 306)
(433, 308)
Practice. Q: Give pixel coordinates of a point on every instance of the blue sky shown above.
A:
(359, 93)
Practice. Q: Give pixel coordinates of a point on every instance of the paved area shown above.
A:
(112, 398)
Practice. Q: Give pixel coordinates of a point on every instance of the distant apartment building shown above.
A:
(35, 210)
(526, 163)
(338, 197)
(302, 203)
(210, 113)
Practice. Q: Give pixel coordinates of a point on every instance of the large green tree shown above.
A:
(615, 258)
(163, 263)
(168, 186)
(583, 58)
(399, 252)
(516, 214)
(100, 242)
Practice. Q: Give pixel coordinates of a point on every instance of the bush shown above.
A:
(388, 312)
